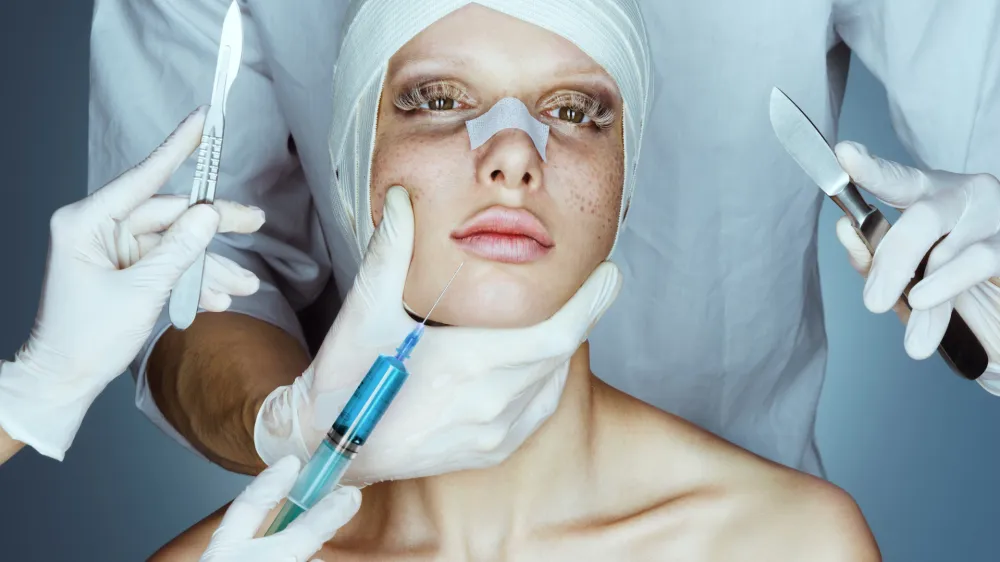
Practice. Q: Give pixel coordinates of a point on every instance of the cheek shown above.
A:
(590, 192)
(413, 162)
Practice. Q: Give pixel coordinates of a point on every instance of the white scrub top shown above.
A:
(720, 320)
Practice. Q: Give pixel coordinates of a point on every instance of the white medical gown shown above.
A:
(720, 320)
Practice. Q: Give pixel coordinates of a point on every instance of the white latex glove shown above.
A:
(234, 540)
(108, 274)
(961, 270)
(473, 395)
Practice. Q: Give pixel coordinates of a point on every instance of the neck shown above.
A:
(483, 510)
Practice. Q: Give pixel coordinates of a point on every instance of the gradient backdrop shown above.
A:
(915, 445)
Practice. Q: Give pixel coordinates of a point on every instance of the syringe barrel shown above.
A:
(349, 432)
(322, 473)
(370, 400)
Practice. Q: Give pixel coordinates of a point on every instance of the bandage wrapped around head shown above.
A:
(609, 31)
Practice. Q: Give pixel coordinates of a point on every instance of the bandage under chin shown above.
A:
(508, 113)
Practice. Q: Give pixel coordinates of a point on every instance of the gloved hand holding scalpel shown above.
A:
(108, 274)
(962, 269)
(950, 223)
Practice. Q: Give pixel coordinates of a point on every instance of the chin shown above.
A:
(493, 304)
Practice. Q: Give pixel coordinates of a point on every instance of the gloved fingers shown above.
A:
(565, 330)
(925, 330)
(281, 547)
(249, 510)
(160, 211)
(179, 247)
(507, 394)
(501, 435)
(555, 337)
(223, 275)
(214, 301)
(146, 243)
(905, 245)
(387, 259)
(322, 521)
(893, 183)
(541, 405)
(306, 535)
(978, 204)
(857, 251)
(972, 266)
(123, 194)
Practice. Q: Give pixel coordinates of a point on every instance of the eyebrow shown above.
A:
(596, 80)
(411, 69)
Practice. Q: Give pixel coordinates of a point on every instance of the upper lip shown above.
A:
(505, 220)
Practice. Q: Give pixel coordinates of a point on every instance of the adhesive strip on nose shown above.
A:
(508, 113)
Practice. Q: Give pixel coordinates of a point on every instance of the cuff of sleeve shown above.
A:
(45, 419)
(990, 380)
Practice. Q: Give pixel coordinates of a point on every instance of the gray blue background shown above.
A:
(915, 445)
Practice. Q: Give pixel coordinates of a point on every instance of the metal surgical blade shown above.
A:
(184, 298)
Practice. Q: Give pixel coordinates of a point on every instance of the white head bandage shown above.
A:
(611, 32)
(508, 113)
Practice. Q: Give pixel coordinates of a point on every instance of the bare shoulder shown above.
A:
(697, 496)
(761, 511)
(790, 516)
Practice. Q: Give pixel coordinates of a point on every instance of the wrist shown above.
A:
(8, 446)
(39, 410)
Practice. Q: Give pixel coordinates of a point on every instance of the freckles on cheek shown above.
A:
(393, 165)
(597, 191)
(612, 180)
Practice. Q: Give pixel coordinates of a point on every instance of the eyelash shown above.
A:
(421, 94)
(600, 115)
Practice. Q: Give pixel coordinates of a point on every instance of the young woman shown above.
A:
(606, 477)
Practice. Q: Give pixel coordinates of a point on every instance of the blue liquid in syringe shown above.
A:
(349, 432)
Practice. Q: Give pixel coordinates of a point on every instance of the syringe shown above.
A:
(352, 427)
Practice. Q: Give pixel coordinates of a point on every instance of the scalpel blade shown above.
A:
(184, 298)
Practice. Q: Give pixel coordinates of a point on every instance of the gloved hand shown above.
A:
(961, 270)
(108, 274)
(473, 396)
(234, 540)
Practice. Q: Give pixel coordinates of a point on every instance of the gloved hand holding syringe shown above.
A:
(352, 427)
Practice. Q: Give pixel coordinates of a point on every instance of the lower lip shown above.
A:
(504, 248)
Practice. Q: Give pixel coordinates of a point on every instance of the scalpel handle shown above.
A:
(186, 295)
(184, 298)
(959, 348)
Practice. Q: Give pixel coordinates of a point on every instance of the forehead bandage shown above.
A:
(508, 113)
(611, 32)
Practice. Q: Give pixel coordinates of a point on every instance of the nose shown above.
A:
(510, 160)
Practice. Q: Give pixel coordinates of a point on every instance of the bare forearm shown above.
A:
(8, 446)
(210, 380)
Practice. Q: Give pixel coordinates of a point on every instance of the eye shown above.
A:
(576, 108)
(569, 114)
(436, 97)
(439, 104)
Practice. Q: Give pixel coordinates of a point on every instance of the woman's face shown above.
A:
(529, 232)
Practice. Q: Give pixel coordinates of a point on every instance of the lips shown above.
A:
(504, 234)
